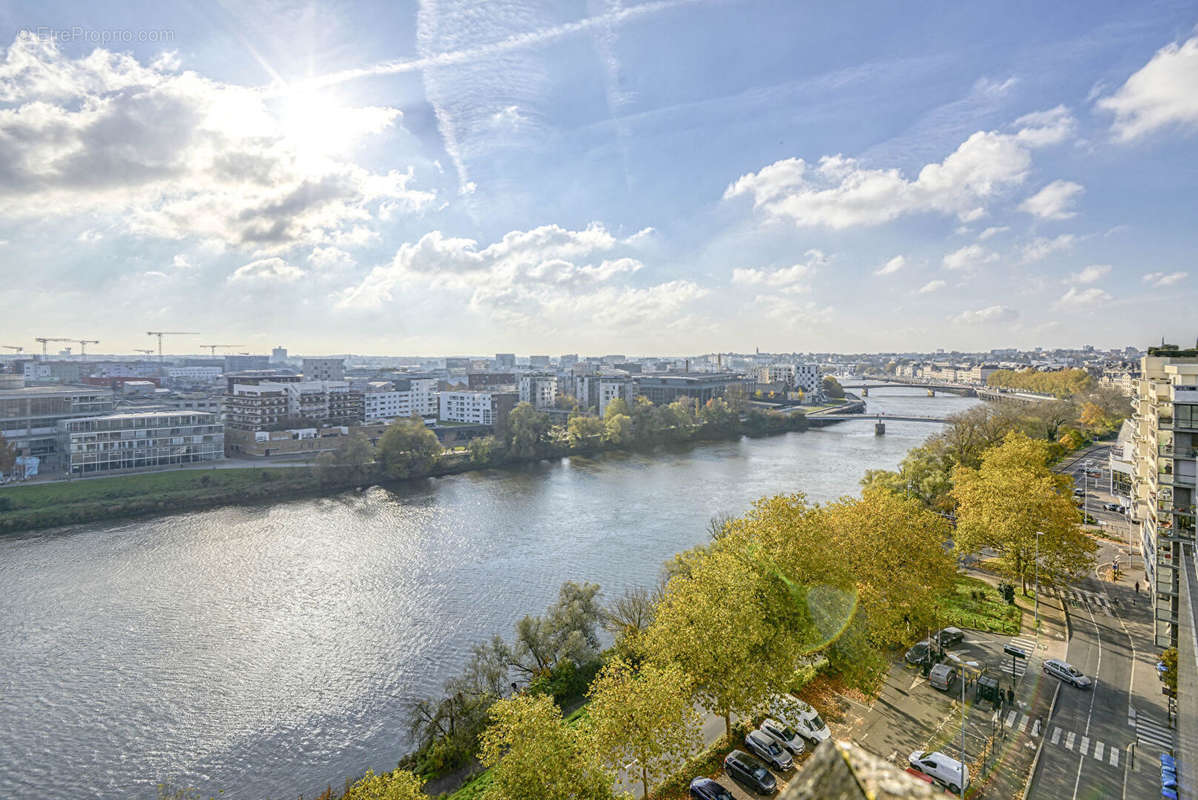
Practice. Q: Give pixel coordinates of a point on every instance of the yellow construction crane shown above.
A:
(160, 334)
(83, 343)
(212, 347)
(13, 347)
(44, 339)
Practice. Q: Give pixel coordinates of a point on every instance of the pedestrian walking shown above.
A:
(1137, 587)
(1011, 697)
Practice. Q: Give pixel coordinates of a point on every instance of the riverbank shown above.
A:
(147, 494)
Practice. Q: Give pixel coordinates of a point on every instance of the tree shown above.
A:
(527, 429)
(568, 631)
(355, 457)
(483, 450)
(534, 755)
(408, 448)
(8, 455)
(397, 785)
(616, 407)
(627, 618)
(618, 429)
(832, 387)
(727, 627)
(582, 429)
(644, 717)
(717, 415)
(1012, 495)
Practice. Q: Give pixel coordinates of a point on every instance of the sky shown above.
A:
(555, 176)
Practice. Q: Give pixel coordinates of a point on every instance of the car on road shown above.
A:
(769, 750)
(947, 637)
(749, 772)
(943, 769)
(785, 735)
(707, 789)
(1079, 492)
(1067, 673)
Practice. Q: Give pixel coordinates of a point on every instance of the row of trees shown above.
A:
(1059, 383)
(1064, 425)
(409, 449)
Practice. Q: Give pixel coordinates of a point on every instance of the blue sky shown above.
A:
(599, 176)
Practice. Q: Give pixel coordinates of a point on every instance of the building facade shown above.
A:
(1166, 439)
(665, 389)
(116, 442)
(475, 407)
(29, 415)
(324, 369)
(539, 390)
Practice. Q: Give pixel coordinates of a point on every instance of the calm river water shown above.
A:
(270, 651)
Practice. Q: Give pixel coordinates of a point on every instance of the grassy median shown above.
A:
(974, 604)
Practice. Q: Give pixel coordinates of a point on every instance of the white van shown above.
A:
(942, 676)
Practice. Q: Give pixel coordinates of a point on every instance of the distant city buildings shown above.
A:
(324, 369)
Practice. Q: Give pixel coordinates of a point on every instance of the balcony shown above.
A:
(1183, 394)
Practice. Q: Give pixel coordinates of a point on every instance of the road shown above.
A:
(1087, 737)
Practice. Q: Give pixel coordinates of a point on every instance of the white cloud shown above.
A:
(1043, 247)
(544, 280)
(181, 261)
(1091, 273)
(1161, 94)
(985, 316)
(892, 266)
(266, 271)
(327, 258)
(1054, 201)
(992, 232)
(840, 192)
(932, 286)
(1165, 279)
(1077, 297)
(969, 257)
(175, 155)
(1043, 128)
(642, 236)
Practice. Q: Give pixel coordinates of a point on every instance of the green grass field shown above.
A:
(987, 612)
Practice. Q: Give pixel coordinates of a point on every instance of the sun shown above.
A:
(316, 124)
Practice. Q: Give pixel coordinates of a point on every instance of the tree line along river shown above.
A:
(270, 651)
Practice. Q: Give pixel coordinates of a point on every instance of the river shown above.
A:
(270, 651)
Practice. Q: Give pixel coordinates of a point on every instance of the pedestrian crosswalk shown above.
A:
(1152, 734)
(1093, 600)
(1020, 664)
(1086, 746)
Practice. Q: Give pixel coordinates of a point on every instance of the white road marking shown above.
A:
(1036, 729)
(1093, 692)
(1114, 757)
(1085, 746)
(1069, 740)
(1010, 719)
(1023, 723)
(1098, 747)
(1056, 734)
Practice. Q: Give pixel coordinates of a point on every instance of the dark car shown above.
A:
(749, 772)
(767, 748)
(947, 637)
(920, 653)
(707, 789)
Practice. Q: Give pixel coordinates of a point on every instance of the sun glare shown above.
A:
(315, 123)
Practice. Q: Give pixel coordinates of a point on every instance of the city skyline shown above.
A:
(459, 176)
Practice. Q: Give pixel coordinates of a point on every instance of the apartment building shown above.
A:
(324, 369)
(802, 376)
(381, 401)
(477, 407)
(194, 374)
(117, 442)
(255, 403)
(1166, 444)
(29, 415)
(539, 390)
(504, 362)
(665, 389)
(615, 388)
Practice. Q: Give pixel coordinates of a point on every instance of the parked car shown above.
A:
(1111, 506)
(769, 750)
(707, 789)
(1067, 673)
(785, 735)
(942, 677)
(749, 772)
(810, 725)
(947, 637)
(943, 769)
(919, 654)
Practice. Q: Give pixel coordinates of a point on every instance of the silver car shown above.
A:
(764, 746)
(786, 735)
(1067, 673)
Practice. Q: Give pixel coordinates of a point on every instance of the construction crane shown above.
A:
(83, 343)
(212, 347)
(13, 347)
(44, 339)
(160, 334)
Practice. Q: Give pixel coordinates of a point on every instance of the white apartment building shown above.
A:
(979, 374)
(423, 396)
(1166, 446)
(383, 402)
(194, 374)
(262, 404)
(802, 376)
(615, 389)
(539, 390)
(136, 441)
(476, 407)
